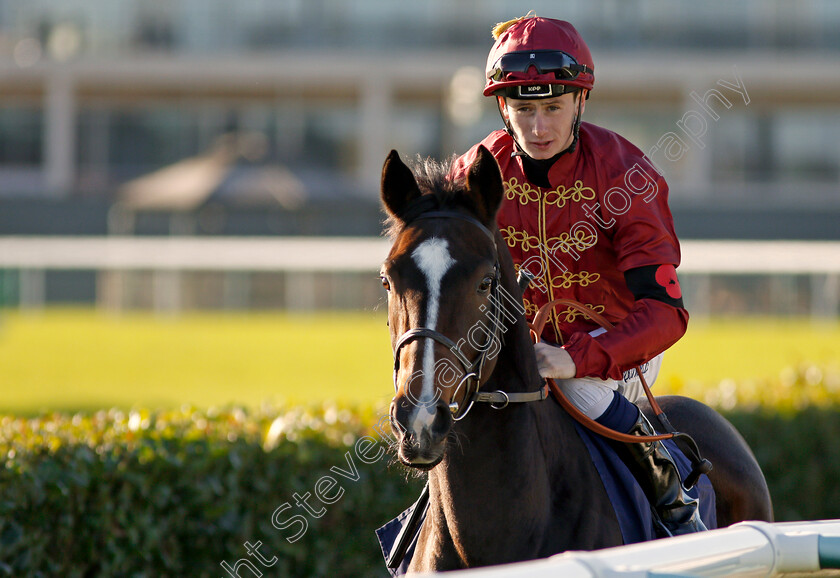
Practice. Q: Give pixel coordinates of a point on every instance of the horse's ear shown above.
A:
(399, 186)
(484, 186)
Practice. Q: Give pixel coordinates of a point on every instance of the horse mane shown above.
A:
(432, 178)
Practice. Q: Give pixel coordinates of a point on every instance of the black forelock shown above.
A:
(433, 179)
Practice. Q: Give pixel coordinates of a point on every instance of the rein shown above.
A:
(699, 464)
(536, 330)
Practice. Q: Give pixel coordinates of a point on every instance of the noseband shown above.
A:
(472, 379)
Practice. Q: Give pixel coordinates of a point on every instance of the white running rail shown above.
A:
(745, 549)
(168, 257)
(357, 254)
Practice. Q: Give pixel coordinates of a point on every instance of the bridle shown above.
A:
(473, 370)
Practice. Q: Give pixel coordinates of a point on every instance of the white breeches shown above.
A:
(593, 396)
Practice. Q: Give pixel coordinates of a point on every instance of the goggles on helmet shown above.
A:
(526, 91)
(562, 65)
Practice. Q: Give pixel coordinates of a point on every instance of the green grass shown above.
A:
(746, 348)
(78, 359)
(68, 360)
(780, 363)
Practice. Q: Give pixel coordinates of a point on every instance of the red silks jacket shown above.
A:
(606, 212)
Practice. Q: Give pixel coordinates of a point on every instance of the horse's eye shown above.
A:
(485, 285)
(385, 283)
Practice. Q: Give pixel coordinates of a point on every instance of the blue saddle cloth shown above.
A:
(629, 502)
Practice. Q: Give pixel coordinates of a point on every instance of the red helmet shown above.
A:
(538, 57)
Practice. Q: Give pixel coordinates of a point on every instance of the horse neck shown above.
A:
(519, 457)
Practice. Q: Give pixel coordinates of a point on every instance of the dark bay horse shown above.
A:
(509, 479)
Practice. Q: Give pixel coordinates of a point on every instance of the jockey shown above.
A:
(586, 213)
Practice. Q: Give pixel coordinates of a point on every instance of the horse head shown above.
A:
(442, 277)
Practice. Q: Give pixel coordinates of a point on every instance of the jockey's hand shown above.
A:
(554, 362)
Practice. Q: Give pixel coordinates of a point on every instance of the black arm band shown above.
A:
(655, 282)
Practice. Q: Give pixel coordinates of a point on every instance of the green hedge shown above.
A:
(799, 454)
(177, 493)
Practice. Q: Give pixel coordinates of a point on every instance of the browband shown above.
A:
(418, 206)
(457, 215)
(428, 207)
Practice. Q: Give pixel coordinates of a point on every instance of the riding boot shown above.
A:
(658, 475)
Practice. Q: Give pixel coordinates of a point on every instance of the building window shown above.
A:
(806, 146)
(21, 136)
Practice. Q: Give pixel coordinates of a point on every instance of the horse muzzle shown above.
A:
(422, 431)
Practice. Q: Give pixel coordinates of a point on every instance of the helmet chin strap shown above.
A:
(520, 152)
(576, 124)
(517, 150)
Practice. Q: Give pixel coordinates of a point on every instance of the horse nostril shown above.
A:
(442, 421)
(396, 425)
(398, 418)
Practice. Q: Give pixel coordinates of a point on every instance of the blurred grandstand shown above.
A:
(273, 118)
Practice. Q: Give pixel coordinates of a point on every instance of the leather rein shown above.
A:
(536, 330)
(699, 465)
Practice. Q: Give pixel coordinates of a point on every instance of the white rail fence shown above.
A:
(301, 258)
(745, 549)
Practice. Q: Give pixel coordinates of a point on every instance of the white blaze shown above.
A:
(433, 259)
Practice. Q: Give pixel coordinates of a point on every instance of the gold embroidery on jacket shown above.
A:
(572, 242)
(576, 194)
(569, 315)
(530, 309)
(581, 240)
(567, 279)
(525, 193)
(514, 237)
